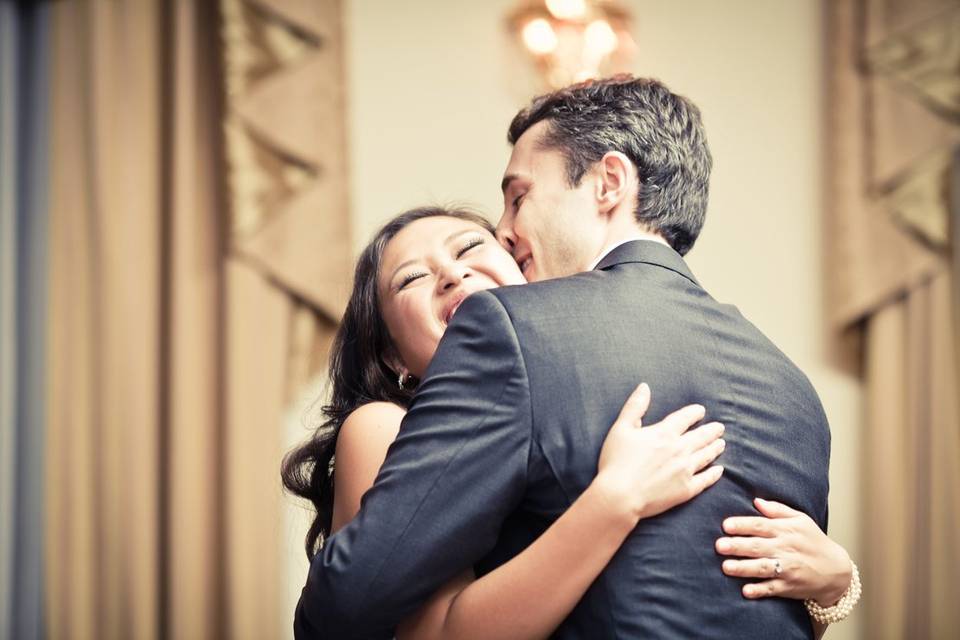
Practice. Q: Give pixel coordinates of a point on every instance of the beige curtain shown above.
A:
(193, 289)
(893, 116)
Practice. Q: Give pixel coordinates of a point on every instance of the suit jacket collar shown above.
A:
(648, 252)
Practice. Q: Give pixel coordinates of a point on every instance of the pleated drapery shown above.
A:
(894, 125)
(181, 323)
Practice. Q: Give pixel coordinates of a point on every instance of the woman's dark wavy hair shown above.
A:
(358, 374)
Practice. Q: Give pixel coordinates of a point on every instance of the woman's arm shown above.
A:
(362, 446)
(529, 596)
(812, 566)
(642, 472)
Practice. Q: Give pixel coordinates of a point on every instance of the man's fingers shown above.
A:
(681, 420)
(636, 406)
(702, 436)
(706, 478)
(704, 456)
(749, 526)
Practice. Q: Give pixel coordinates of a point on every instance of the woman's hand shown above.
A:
(651, 469)
(812, 566)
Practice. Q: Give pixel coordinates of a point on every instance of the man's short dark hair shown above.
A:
(659, 131)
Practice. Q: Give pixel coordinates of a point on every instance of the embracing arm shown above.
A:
(457, 469)
(641, 473)
(508, 602)
(812, 566)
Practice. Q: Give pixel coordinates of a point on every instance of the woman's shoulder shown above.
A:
(366, 435)
(362, 444)
(375, 415)
(371, 421)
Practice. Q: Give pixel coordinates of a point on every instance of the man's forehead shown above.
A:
(524, 155)
(530, 141)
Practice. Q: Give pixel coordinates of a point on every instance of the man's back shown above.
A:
(586, 341)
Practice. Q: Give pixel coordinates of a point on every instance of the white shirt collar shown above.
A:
(618, 243)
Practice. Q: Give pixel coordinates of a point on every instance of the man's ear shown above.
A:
(617, 175)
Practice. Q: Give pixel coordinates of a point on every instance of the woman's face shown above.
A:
(426, 272)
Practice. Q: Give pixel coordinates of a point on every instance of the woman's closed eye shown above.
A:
(465, 248)
(517, 201)
(410, 277)
(470, 244)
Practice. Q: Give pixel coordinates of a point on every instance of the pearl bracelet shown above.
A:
(839, 611)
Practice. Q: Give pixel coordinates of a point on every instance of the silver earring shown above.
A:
(400, 380)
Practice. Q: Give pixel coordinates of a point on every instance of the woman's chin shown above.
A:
(517, 278)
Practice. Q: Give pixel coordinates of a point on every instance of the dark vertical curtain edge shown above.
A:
(33, 155)
(954, 196)
(8, 288)
(27, 25)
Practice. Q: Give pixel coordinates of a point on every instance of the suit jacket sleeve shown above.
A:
(456, 470)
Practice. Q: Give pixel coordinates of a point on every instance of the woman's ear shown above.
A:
(617, 174)
(395, 363)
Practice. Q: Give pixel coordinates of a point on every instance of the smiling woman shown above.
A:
(364, 357)
(428, 269)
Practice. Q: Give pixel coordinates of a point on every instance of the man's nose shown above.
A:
(505, 236)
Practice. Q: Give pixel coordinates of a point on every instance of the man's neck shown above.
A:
(622, 238)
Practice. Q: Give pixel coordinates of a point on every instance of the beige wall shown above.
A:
(433, 84)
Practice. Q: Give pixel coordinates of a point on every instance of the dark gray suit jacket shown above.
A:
(506, 430)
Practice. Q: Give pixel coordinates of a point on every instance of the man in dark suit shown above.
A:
(606, 189)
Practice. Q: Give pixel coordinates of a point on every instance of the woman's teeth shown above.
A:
(452, 311)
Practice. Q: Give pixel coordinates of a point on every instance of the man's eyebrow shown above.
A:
(507, 179)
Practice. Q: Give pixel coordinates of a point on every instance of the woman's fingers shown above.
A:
(707, 454)
(705, 479)
(773, 509)
(765, 589)
(679, 421)
(763, 568)
(744, 547)
(702, 436)
(754, 568)
(749, 526)
(635, 407)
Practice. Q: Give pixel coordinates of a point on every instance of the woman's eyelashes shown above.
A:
(462, 251)
(473, 242)
(517, 201)
(410, 277)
